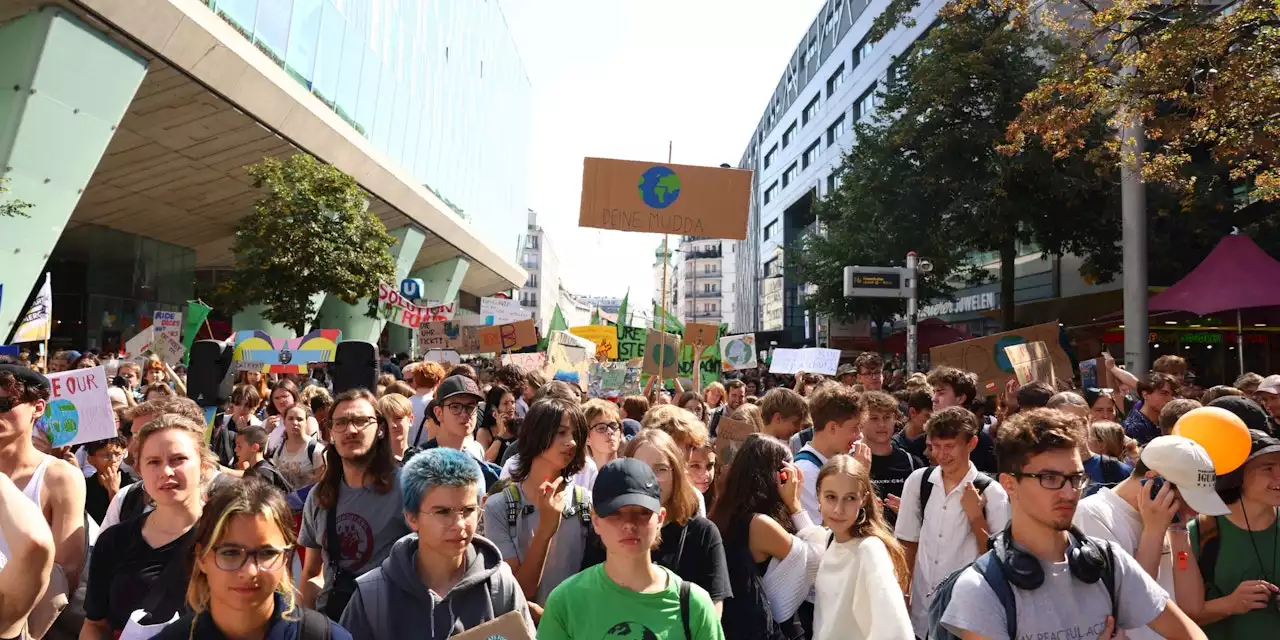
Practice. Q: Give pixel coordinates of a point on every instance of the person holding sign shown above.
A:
(54, 485)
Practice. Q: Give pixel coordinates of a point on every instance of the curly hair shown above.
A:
(1031, 433)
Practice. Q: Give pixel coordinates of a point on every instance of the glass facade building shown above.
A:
(437, 86)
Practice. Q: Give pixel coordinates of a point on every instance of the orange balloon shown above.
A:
(1222, 433)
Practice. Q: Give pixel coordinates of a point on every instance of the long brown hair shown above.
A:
(682, 504)
(870, 522)
(381, 463)
(248, 497)
(751, 486)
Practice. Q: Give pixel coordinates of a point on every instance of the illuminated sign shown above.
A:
(875, 282)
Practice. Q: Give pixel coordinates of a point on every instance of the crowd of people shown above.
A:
(441, 500)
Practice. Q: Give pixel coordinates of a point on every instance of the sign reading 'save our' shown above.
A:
(648, 197)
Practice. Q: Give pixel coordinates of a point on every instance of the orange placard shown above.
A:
(651, 197)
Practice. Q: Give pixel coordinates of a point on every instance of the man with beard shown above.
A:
(1043, 578)
(735, 396)
(354, 514)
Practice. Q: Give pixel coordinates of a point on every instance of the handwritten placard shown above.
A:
(631, 343)
(790, 361)
(605, 339)
(399, 310)
(738, 352)
(79, 408)
(503, 310)
(526, 362)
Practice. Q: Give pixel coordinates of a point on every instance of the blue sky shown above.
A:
(621, 78)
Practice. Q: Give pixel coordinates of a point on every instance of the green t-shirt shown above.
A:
(1238, 562)
(591, 606)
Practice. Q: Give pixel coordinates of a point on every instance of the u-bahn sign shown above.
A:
(875, 282)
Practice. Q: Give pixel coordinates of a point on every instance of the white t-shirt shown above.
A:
(857, 594)
(809, 488)
(297, 467)
(1107, 516)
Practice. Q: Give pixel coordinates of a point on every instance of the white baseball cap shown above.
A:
(1183, 462)
(1270, 384)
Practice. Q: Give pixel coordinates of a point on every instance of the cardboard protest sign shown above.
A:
(1031, 362)
(790, 361)
(986, 358)
(79, 408)
(503, 310)
(443, 356)
(605, 339)
(650, 197)
(508, 626)
(1096, 374)
(166, 342)
(661, 349)
(397, 309)
(139, 344)
(703, 334)
(631, 343)
(431, 335)
(738, 352)
(568, 360)
(731, 432)
(526, 362)
(505, 337)
(286, 356)
(613, 378)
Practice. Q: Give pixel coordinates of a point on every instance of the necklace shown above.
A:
(1275, 547)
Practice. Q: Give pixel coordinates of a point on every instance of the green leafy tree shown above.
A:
(945, 111)
(310, 233)
(11, 208)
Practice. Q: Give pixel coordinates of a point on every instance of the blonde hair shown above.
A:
(596, 407)
(246, 497)
(751, 414)
(682, 504)
(394, 405)
(1111, 436)
(680, 424)
(208, 460)
(313, 391)
(871, 521)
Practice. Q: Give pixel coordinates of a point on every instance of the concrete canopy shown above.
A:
(211, 103)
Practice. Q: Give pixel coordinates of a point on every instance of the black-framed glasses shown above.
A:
(878, 373)
(359, 422)
(1054, 481)
(460, 409)
(606, 427)
(229, 557)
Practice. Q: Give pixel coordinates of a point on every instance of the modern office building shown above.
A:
(129, 125)
(541, 291)
(708, 272)
(829, 83)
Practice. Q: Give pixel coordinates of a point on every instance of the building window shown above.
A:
(788, 135)
(812, 54)
(835, 81)
(533, 280)
(768, 157)
(771, 230)
(811, 109)
(770, 193)
(862, 52)
(836, 130)
(833, 182)
(773, 268)
(866, 104)
(790, 174)
(532, 242)
(811, 154)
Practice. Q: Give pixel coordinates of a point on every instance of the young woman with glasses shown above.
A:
(605, 436)
(240, 584)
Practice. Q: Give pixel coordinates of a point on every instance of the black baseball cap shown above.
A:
(626, 482)
(458, 386)
(26, 375)
(1252, 413)
(1261, 443)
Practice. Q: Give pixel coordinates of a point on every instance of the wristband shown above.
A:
(1182, 561)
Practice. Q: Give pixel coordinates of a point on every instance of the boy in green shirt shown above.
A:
(628, 596)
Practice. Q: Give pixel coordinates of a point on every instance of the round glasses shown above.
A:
(233, 558)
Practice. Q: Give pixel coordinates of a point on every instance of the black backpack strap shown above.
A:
(684, 608)
(988, 566)
(134, 502)
(1109, 576)
(1207, 549)
(313, 625)
(926, 488)
(332, 545)
(981, 482)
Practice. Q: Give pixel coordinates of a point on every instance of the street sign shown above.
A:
(411, 288)
(875, 282)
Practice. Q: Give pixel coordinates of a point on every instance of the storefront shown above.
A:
(1211, 353)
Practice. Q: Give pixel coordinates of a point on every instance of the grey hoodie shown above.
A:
(392, 602)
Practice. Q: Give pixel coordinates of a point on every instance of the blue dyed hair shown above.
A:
(439, 467)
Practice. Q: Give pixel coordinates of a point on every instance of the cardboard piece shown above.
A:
(519, 335)
(568, 360)
(526, 362)
(730, 431)
(704, 334)
(631, 343)
(708, 202)
(431, 335)
(738, 352)
(508, 626)
(1096, 374)
(791, 361)
(662, 347)
(985, 356)
(79, 408)
(605, 339)
(443, 356)
(1031, 362)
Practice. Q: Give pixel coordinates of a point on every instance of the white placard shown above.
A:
(443, 356)
(79, 408)
(248, 365)
(790, 361)
(166, 341)
(140, 343)
(503, 310)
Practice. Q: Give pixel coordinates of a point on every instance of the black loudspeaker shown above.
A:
(355, 365)
(210, 361)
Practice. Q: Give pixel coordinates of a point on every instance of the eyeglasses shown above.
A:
(359, 422)
(1054, 481)
(871, 374)
(233, 558)
(452, 515)
(606, 427)
(460, 409)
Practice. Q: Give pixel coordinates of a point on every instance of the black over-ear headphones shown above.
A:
(1085, 558)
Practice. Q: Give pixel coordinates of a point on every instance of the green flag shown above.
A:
(673, 324)
(595, 316)
(622, 313)
(557, 324)
(197, 313)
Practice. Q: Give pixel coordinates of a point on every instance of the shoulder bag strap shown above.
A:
(926, 488)
(680, 549)
(993, 574)
(332, 545)
(1109, 579)
(313, 625)
(684, 608)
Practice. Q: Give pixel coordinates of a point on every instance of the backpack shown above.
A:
(581, 508)
(980, 482)
(810, 457)
(311, 450)
(989, 567)
(1112, 475)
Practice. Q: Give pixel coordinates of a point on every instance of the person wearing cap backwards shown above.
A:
(1268, 395)
(56, 486)
(1172, 482)
(628, 596)
(1228, 567)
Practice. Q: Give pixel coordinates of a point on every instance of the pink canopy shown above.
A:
(1237, 274)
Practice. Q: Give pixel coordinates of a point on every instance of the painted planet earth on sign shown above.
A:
(61, 421)
(664, 356)
(738, 353)
(1002, 360)
(659, 187)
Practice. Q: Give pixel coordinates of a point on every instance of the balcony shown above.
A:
(704, 253)
(705, 294)
(704, 315)
(702, 275)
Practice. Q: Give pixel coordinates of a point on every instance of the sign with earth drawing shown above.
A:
(649, 197)
(79, 408)
(738, 352)
(661, 348)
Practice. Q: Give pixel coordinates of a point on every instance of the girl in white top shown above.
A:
(863, 575)
(299, 457)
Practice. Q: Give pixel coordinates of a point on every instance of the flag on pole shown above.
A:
(37, 323)
(557, 324)
(673, 324)
(595, 316)
(197, 312)
(622, 310)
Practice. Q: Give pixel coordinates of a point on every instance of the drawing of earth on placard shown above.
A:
(659, 187)
(665, 354)
(61, 421)
(739, 354)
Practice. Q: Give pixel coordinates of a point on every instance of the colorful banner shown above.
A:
(613, 379)
(197, 313)
(738, 352)
(286, 356)
(37, 323)
(605, 339)
(567, 360)
(79, 408)
(166, 341)
(399, 310)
